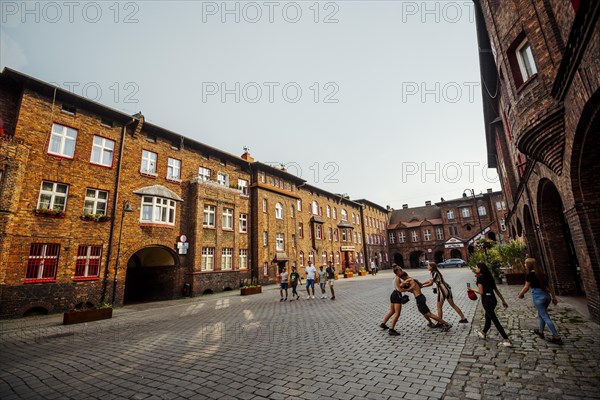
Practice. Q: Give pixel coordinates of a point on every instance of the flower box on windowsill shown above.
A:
(246, 291)
(362, 273)
(95, 217)
(216, 185)
(45, 212)
(95, 314)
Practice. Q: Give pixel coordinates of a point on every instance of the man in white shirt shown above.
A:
(310, 279)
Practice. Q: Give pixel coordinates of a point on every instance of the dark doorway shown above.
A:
(151, 275)
(415, 258)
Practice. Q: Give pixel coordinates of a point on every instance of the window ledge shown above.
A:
(208, 227)
(148, 174)
(173, 180)
(86, 278)
(526, 83)
(227, 229)
(43, 280)
(155, 225)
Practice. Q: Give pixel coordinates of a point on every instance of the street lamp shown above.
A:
(126, 208)
(476, 209)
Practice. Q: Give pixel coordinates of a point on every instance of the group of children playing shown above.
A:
(325, 276)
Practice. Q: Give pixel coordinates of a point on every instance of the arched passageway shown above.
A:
(151, 275)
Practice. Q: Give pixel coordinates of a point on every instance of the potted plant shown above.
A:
(362, 272)
(250, 286)
(87, 313)
(513, 255)
(47, 212)
(484, 253)
(348, 273)
(95, 217)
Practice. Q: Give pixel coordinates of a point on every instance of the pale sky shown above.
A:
(376, 99)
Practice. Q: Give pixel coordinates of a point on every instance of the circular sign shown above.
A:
(183, 238)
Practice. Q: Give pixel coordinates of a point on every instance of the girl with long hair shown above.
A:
(486, 287)
(542, 295)
(395, 303)
(444, 292)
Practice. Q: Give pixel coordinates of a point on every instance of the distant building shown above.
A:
(447, 229)
(540, 75)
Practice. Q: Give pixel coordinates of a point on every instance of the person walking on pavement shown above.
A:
(310, 279)
(283, 283)
(322, 281)
(444, 292)
(395, 304)
(542, 295)
(294, 280)
(486, 286)
(330, 270)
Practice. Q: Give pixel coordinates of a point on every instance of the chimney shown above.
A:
(404, 206)
(428, 203)
(246, 156)
(489, 190)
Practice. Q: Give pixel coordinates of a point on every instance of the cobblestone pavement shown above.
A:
(255, 347)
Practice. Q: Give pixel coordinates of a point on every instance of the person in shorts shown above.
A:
(294, 280)
(330, 271)
(310, 279)
(395, 303)
(283, 284)
(322, 281)
(414, 286)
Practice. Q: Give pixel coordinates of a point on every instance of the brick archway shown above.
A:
(533, 249)
(585, 184)
(562, 261)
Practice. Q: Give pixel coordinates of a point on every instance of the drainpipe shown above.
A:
(114, 211)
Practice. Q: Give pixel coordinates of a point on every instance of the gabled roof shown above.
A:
(158, 191)
(405, 215)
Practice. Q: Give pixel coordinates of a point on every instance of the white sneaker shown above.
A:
(313, 296)
(324, 296)
(506, 343)
(481, 334)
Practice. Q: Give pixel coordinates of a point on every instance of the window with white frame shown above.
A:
(243, 258)
(427, 234)
(315, 208)
(208, 258)
(204, 174)
(278, 211)
(174, 169)
(336, 235)
(334, 213)
(311, 257)
(324, 258)
(498, 205)
(359, 237)
(300, 230)
(293, 240)
(95, 202)
(279, 245)
(344, 235)
(148, 166)
(318, 231)
(392, 238)
(439, 233)
(62, 141)
(401, 237)
(330, 234)
(331, 257)
(243, 186)
(353, 218)
(158, 210)
(344, 215)
(244, 223)
(42, 262)
(264, 205)
(415, 236)
(450, 214)
(227, 219)
(87, 264)
(263, 178)
(292, 212)
(337, 257)
(466, 212)
(53, 196)
(226, 259)
(354, 237)
(102, 151)
(301, 258)
(481, 210)
(525, 60)
(265, 238)
(223, 179)
(328, 211)
(209, 216)
(299, 204)
(266, 268)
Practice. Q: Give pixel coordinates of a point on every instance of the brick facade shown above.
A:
(542, 132)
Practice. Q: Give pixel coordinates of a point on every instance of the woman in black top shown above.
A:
(541, 294)
(486, 286)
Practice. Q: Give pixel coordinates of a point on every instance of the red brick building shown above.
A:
(447, 229)
(540, 86)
